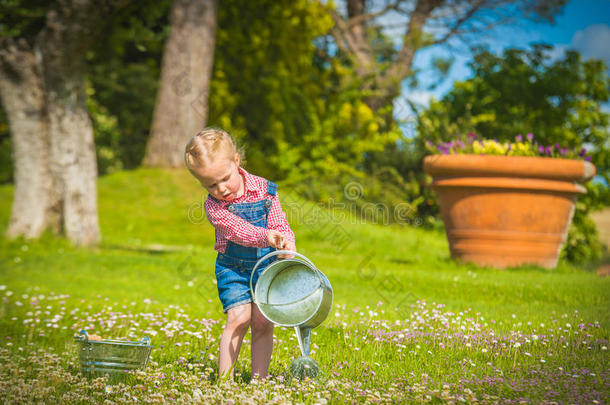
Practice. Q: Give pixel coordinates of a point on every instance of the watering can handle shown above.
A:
(279, 252)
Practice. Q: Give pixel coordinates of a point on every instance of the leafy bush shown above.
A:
(560, 100)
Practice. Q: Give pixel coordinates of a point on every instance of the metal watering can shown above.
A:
(294, 293)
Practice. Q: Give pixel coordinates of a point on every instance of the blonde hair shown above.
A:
(210, 144)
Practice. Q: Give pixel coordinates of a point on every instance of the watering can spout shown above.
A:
(304, 338)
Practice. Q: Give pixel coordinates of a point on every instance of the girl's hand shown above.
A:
(275, 239)
(288, 246)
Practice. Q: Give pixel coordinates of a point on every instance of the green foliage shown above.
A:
(526, 91)
(398, 172)
(22, 18)
(560, 101)
(442, 64)
(264, 87)
(124, 71)
(107, 135)
(339, 141)
(298, 112)
(583, 244)
(281, 88)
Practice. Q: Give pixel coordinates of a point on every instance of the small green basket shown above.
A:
(113, 358)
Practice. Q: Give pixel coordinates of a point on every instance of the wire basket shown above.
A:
(113, 358)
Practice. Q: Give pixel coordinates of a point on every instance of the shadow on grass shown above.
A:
(154, 248)
(403, 261)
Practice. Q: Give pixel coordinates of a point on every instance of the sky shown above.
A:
(583, 25)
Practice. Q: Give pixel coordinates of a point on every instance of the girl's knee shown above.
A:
(238, 318)
(261, 325)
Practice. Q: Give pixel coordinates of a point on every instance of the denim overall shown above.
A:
(234, 266)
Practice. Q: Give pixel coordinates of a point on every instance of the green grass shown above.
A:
(366, 263)
(387, 270)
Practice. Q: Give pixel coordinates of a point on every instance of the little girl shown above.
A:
(246, 213)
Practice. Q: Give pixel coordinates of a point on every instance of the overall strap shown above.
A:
(271, 188)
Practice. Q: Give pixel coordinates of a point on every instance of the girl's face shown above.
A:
(221, 179)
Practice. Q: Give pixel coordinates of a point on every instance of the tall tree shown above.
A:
(182, 99)
(42, 68)
(425, 23)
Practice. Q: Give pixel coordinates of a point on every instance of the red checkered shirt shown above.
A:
(230, 227)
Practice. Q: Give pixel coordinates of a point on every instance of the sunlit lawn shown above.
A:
(407, 325)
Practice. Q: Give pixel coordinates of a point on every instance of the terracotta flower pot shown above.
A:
(505, 211)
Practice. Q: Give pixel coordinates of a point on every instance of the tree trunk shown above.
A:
(69, 34)
(43, 92)
(182, 100)
(23, 98)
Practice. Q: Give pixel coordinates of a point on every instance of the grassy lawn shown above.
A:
(408, 324)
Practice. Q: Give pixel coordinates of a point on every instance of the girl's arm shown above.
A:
(236, 229)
